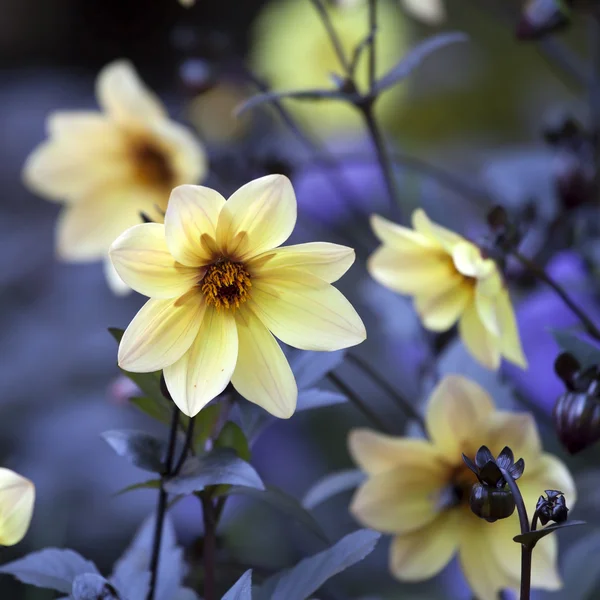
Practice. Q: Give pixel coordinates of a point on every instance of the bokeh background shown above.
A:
(477, 110)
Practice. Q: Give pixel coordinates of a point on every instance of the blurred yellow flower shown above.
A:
(17, 496)
(109, 166)
(431, 12)
(450, 281)
(418, 491)
(220, 287)
(292, 50)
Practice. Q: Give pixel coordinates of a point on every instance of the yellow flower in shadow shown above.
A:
(292, 50)
(221, 288)
(450, 281)
(418, 491)
(107, 167)
(17, 497)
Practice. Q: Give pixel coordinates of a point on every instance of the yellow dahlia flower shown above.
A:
(17, 496)
(220, 287)
(109, 166)
(292, 50)
(450, 281)
(418, 491)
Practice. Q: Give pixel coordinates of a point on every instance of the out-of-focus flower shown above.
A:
(450, 281)
(17, 496)
(219, 286)
(419, 490)
(108, 167)
(431, 12)
(187, 3)
(292, 50)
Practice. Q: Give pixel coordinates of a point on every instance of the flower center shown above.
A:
(152, 165)
(458, 490)
(226, 284)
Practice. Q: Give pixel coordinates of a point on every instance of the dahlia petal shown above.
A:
(440, 312)
(434, 232)
(480, 343)
(510, 341)
(400, 238)
(17, 497)
(115, 283)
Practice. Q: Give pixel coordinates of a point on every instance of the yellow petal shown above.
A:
(487, 309)
(115, 283)
(307, 313)
(519, 432)
(321, 259)
(192, 216)
(161, 333)
(401, 238)
(423, 553)
(510, 341)
(260, 216)
(468, 260)
(143, 261)
(458, 408)
(17, 497)
(86, 230)
(377, 453)
(204, 371)
(424, 271)
(482, 570)
(544, 573)
(434, 232)
(124, 97)
(548, 473)
(481, 344)
(262, 373)
(430, 12)
(398, 501)
(440, 312)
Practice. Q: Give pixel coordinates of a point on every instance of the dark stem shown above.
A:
(594, 93)
(534, 521)
(383, 156)
(357, 401)
(404, 405)
(333, 36)
(161, 508)
(187, 446)
(373, 44)
(543, 276)
(526, 550)
(209, 547)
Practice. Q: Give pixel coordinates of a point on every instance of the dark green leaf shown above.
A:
(331, 485)
(284, 503)
(232, 436)
(138, 447)
(93, 587)
(242, 589)
(151, 484)
(586, 353)
(220, 466)
(277, 96)
(415, 57)
(206, 420)
(152, 408)
(531, 538)
(52, 568)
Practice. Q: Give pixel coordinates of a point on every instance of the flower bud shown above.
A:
(577, 420)
(491, 503)
(552, 508)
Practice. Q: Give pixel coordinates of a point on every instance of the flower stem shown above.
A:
(543, 276)
(373, 44)
(407, 408)
(161, 508)
(209, 547)
(357, 401)
(187, 446)
(526, 550)
(333, 36)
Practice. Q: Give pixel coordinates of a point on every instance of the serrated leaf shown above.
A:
(585, 352)
(138, 447)
(314, 95)
(231, 436)
(283, 503)
(316, 398)
(416, 56)
(532, 537)
(301, 581)
(93, 587)
(311, 367)
(242, 589)
(331, 485)
(52, 568)
(151, 484)
(220, 466)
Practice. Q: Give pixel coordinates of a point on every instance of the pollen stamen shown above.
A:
(226, 284)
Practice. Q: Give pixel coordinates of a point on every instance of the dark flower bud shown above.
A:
(506, 233)
(542, 17)
(552, 508)
(566, 367)
(491, 503)
(577, 420)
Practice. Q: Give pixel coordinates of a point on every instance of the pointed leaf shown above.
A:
(331, 485)
(93, 587)
(233, 437)
(415, 57)
(532, 537)
(309, 575)
(151, 484)
(52, 568)
(314, 95)
(206, 421)
(149, 406)
(138, 447)
(242, 589)
(586, 353)
(219, 466)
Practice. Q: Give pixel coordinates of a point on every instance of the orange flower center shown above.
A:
(152, 165)
(226, 284)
